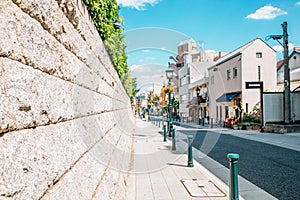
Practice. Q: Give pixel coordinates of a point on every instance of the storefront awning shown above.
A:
(193, 102)
(227, 97)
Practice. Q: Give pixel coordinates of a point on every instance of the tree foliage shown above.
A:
(156, 98)
(104, 13)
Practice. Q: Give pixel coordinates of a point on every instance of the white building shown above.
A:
(228, 97)
(193, 74)
(294, 65)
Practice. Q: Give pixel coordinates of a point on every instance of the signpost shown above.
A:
(258, 85)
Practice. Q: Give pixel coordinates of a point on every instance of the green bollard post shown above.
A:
(165, 132)
(190, 151)
(233, 184)
(170, 129)
(173, 139)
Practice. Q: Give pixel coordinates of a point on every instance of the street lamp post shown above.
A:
(198, 95)
(169, 74)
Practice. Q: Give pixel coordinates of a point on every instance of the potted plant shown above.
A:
(235, 126)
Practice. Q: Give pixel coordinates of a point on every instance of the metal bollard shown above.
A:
(158, 123)
(165, 132)
(173, 139)
(170, 129)
(233, 184)
(190, 151)
(211, 123)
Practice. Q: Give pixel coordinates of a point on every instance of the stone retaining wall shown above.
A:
(66, 124)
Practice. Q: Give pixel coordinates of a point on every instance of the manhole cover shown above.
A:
(202, 188)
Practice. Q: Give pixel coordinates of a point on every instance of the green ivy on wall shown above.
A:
(103, 14)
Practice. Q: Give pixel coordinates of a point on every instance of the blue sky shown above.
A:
(154, 28)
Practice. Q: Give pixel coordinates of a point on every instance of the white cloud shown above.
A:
(279, 48)
(266, 12)
(139, 68)
(137, 4)
(147, 59)
(298, 3)
(149, 80)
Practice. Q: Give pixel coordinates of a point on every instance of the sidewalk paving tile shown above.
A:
(158, 171)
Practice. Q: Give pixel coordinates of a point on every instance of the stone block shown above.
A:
(80, 182)
(66, 122)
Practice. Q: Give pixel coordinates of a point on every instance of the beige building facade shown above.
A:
(228, 97)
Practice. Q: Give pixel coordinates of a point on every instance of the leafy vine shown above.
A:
(104, 13)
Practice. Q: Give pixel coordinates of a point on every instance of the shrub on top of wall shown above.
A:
(104, 13)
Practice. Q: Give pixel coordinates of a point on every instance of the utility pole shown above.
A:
(287, 90)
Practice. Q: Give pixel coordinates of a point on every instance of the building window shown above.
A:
(258, 54)
(183, 81)
(226, 112)
(180, 49)
(194, 59)
(258, 69)
(228, 74)
(217, 113)
(235, 72)
(212, 79)
(183, 98)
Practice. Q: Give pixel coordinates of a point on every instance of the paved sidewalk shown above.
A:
(246, 189)
(160, 173)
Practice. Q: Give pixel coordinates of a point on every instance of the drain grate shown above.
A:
(202, 188)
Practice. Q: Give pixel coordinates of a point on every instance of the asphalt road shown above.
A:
(274, 169)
